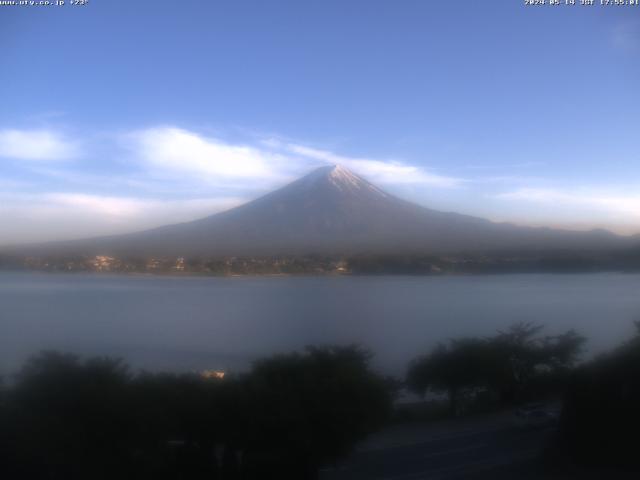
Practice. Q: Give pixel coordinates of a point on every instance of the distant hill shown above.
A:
(334, 211)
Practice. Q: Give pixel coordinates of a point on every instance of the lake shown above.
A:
(192, 323)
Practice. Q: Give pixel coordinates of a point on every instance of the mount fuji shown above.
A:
(334, 211)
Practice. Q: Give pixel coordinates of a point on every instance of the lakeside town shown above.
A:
(364, 264)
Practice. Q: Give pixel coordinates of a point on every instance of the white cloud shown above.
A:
(176, 150)
(36, 145)
(391, 172)
(502, 166)
(507, 179)
(172, 150)
(616, 204)
(59, 216)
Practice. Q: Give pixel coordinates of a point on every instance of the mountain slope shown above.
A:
(332, 210)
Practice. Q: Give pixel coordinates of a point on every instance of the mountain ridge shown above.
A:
(334, 211)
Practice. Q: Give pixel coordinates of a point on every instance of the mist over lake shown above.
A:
(192, 323)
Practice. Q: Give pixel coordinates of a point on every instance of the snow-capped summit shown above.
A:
(339, 178)
(343, 178)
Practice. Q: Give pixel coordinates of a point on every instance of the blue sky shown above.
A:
(117, 116)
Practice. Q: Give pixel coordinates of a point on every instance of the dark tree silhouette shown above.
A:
(314, 406)
(67, 418)
(509, 364)
(600, 417)
(455, 368)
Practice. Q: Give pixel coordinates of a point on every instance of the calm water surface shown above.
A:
(187, 323)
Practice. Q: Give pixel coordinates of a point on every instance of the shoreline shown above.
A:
(315, 275)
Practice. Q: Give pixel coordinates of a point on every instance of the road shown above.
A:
(491, 447)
